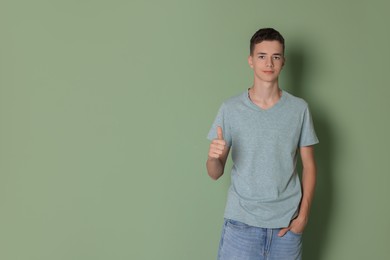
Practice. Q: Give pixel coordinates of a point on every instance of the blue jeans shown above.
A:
(240, 241)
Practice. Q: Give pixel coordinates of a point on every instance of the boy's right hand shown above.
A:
(218, 145)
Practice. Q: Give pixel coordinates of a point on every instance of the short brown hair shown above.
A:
(265, 34)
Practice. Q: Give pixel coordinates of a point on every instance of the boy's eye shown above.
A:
(276, 57)
(262, 57)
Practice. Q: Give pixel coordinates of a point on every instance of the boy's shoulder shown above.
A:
(294, 100)
(236, 99)
(289, 103)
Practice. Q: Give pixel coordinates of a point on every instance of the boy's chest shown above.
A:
(254, 129)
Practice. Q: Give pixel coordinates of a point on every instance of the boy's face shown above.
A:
(267, 60)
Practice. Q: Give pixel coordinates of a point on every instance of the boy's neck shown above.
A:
(266, 93)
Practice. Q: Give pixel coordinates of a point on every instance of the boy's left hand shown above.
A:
(297, 226)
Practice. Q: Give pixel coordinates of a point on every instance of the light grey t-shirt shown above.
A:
(265, 189)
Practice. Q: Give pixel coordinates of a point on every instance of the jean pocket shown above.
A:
(295, 234)
(236, 224)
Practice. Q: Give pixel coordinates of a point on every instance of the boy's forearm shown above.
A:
(215, 168)
(308, 187)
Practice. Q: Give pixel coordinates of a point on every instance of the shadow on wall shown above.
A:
(316, 234)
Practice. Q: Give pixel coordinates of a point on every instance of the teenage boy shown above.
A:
(265, 127)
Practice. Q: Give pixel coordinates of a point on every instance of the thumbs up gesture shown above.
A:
(218, 145)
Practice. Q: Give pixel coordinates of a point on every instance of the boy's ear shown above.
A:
(250, 61)
(284, 61)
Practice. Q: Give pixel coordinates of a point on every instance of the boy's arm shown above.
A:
(309, 173)
(218, 153)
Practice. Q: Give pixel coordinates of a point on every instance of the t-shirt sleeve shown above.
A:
(221, 120)
(308, 135)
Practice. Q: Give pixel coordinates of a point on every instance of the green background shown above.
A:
(105, 107)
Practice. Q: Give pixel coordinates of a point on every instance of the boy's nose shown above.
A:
(270, 63)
